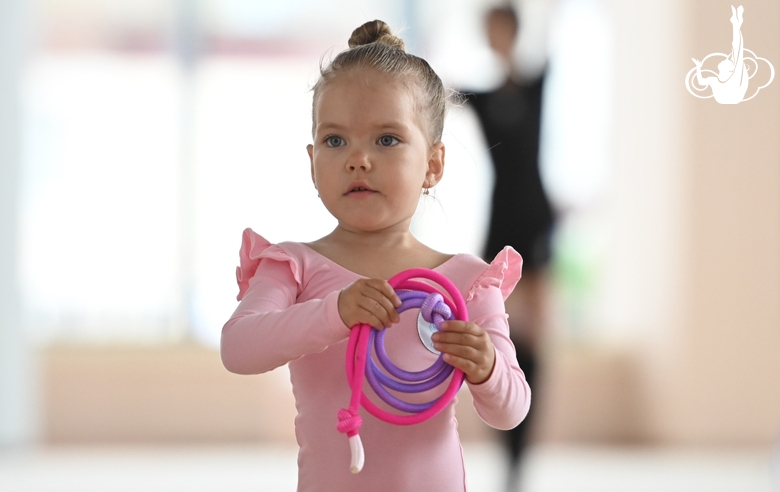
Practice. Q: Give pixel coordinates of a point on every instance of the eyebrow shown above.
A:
(390, 125)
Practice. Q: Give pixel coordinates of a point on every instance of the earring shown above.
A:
(427, 191)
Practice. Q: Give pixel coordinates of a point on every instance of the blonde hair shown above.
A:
(373, 46)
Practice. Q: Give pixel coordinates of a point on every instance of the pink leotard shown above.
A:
(288, 314)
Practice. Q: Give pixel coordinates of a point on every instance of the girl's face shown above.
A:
(370, 158)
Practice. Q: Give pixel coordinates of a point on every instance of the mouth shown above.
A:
(359, 188)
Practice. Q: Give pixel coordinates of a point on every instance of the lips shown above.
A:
(359, 187)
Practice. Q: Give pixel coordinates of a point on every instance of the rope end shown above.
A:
(358, 455)
(349, 423)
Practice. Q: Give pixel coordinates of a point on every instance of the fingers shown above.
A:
(467, 347)
(383, 294)
(370, 301)
(377, 304)
(459, 333)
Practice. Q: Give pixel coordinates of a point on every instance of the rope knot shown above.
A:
(349, 421)
(434, 310)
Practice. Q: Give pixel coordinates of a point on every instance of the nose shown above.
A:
(358, 159)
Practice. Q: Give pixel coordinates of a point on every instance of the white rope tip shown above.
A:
(358, 455)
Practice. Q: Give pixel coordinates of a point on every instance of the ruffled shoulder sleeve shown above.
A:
(254, 248)
(503, 272)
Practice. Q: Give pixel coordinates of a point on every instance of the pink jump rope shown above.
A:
(435, 309)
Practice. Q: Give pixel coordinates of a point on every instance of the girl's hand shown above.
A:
(369, 300)
(467, 347)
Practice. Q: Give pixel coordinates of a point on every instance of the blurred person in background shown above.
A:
(521, 214)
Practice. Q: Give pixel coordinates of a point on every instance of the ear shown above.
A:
(435, 164)
(310, 151)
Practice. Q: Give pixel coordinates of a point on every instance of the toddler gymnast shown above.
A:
(378, 115)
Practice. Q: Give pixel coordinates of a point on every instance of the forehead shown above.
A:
(364, 95)
(503, 17)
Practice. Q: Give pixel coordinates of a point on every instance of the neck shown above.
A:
(510, 74)
(397, 237)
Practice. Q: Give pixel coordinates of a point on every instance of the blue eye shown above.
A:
(334, 141)
(387, 140)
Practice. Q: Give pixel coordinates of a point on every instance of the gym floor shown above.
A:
(271, 469)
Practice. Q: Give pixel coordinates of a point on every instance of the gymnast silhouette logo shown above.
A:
(735, 71)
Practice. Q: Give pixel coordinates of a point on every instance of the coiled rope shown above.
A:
(435, 308)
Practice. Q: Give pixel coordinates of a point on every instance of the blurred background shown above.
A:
(139, 138)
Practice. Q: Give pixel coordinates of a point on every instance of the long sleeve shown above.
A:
(268, 328)
(504, 399)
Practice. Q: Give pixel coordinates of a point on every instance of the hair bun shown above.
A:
(375, 31)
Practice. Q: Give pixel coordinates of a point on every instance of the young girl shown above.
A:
(378, 116)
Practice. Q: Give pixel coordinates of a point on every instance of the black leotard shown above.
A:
(521, 215)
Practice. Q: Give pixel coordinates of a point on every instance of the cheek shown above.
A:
(409, 188)
(325, 183)
(323, 166)
(322, 179)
